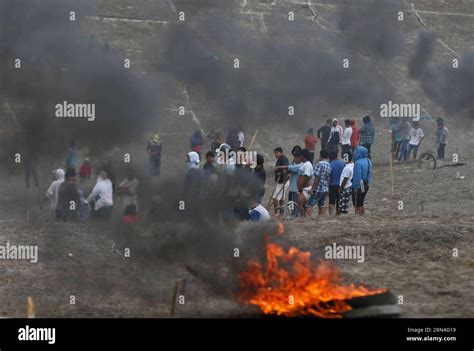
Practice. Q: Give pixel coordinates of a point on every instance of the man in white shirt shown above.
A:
(102, 196)
(416, 137)
(53, 190)
(346, 139)
(304, 182)
(345, 188)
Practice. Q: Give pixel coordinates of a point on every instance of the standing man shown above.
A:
(345, 188)
(335, 136)
(367, 135)
(362, 179)
(336, 170)
(323, 134)
(441, 137)
(405, 137)
(304, 184)
(310, 143)
(295, 170)
(346, 138)
(154, 149)
(320, 188)
(416, 137)
(280, 179)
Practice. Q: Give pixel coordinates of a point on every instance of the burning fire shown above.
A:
(290, 284)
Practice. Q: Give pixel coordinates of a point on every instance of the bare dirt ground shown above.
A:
(409, 251)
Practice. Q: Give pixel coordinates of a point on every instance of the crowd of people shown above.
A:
(341, 175)
(66, 194)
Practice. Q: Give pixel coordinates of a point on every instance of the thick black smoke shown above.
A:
(62, 61)
(449, 87)
(372, 27)
(288, 63)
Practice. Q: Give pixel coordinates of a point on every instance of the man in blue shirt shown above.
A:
(336, 170)
(362, 179)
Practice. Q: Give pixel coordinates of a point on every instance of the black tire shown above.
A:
(427, 161)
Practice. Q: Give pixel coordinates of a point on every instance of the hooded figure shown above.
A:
(362, 178)
(193, 179)
(192, 160)
(53, 190)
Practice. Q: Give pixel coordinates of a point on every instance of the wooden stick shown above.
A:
(175, 296)
(30, 310)
(391, 174)
(253, 139)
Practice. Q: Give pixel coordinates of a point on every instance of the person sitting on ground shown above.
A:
(258, 213)
(361, 180)
(85, 171)
(345, 188)
(128, 192)
(336, 169)
(320, 188)
(68, 198)
(102, 197)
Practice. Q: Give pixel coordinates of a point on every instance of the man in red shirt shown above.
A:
(354, 135)
(310, 144)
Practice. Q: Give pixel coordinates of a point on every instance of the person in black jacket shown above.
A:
(323, 134)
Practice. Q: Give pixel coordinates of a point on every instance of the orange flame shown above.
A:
(290, 285)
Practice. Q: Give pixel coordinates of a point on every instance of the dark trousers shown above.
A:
(311, 157)
(368, 146)
(441, 148)
(345, 149)
(103, 213)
